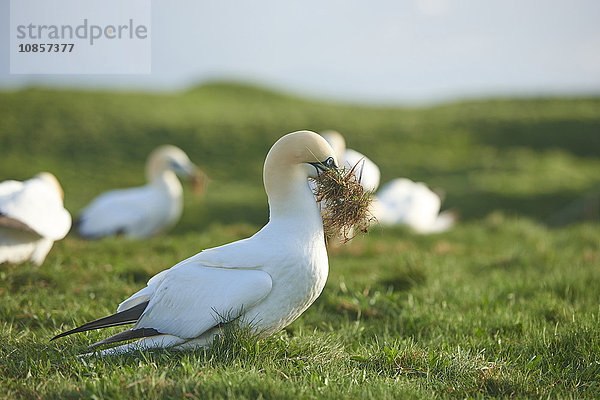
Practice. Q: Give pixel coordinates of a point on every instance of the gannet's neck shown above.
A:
(290, 197)
(157, 168)
(166, 180)
(158, 171)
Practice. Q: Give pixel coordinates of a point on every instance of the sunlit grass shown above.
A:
(500, 306)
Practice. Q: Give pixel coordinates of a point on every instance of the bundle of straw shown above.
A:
(344, 203)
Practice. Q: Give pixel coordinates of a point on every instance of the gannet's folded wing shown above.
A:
(236, 255)
(192, 299)
(118, 211)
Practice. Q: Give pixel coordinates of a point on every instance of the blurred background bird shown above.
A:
(404, 202)
(32, 218)
(147, 210)
(365, 169)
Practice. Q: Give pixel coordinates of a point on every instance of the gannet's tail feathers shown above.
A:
(127, 335)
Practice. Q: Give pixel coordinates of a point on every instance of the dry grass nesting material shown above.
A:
(344, 203)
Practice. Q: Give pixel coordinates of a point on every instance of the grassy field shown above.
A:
(507, 304)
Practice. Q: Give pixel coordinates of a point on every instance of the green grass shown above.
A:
(501, 306)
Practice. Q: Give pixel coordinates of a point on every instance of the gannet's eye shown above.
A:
(329, 163)
(325, 165)
(178, 168)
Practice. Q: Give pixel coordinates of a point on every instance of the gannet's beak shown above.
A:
(198, 179)
(323, 166)
(193, 173)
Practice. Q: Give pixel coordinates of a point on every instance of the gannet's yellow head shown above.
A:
(291, 161)
(302, 148)
(168, 157)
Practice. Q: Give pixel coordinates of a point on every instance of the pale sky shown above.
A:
(358, 51)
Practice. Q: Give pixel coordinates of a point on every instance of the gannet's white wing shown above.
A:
(237, 255)
(189, 300)
(37, 205)
(136, 212)
(9, 187)
(366, 170)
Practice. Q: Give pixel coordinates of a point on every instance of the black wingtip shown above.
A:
(127, 335)
(59, 336)
(128, 316)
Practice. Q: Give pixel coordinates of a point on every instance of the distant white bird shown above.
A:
(399, 202)
(266, 280)
(366, 170)
(146, 210)
(32, 218)
(404, 202)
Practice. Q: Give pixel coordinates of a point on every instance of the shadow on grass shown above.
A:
(476, 205)
(577, 136)
(135, 275)
(379, 301)
(21, 276)
(403, 280)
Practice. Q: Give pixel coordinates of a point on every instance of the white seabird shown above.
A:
(32, 218)
(404, 202)
(266, 280)
(367, 171)
(142, 211)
